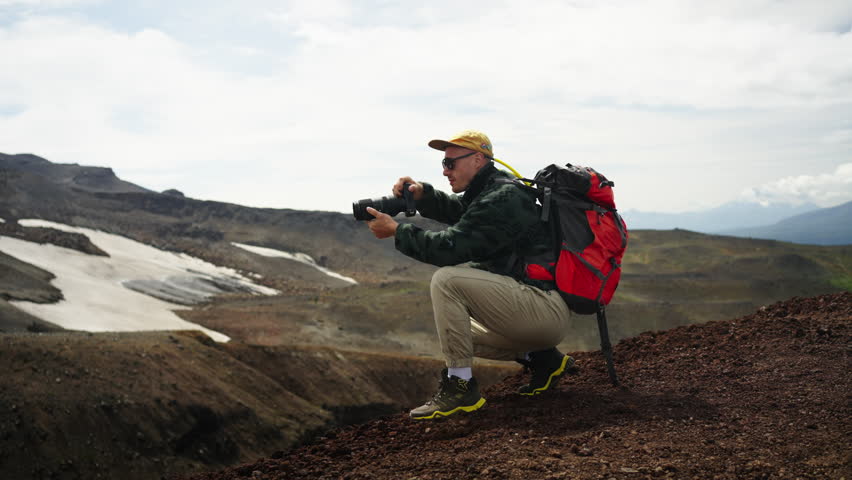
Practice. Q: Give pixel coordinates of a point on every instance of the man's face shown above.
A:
(464, 168)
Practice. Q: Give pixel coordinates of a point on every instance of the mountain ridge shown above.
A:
(73, 175)
(804, 223)
(203, 228)
(731, 215)
(826, 226)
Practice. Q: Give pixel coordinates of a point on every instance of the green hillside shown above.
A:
(676, 277)
(671, 278)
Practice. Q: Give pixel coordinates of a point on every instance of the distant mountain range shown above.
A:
(826, 226)
(806, 223)
(729, 216)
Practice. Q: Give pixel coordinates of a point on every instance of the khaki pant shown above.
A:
(486, 315)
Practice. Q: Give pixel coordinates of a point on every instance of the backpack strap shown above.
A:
(606, 346)
(511, 263)
(598, 273)
(546, 198)
(516, 181)
(569, 202)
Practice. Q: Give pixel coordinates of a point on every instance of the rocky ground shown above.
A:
(74, 241)
(144, 405)
(763, 396)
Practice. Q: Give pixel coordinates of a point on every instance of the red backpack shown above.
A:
(589, 238)
(589, 235)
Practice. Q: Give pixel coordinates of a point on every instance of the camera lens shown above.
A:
(390, 205)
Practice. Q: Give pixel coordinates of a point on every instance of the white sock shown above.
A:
(465, 373)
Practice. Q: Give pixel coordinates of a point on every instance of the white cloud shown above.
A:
(828, 15)
(825, 190)
(683, 107)
(840, 136)
(323, 11)
(45, 3)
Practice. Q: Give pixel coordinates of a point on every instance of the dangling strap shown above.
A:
(606, 347)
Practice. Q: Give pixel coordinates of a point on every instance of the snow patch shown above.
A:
(297, 256)
(2, 221)
(117, 293)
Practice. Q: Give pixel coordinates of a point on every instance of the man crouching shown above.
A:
(487, 308)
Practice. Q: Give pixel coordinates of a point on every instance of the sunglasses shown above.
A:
(449, 162)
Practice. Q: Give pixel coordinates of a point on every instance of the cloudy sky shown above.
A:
(314, 104)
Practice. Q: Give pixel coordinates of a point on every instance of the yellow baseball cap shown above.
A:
(469, 139)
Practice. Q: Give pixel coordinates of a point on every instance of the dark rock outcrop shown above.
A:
(60, 238)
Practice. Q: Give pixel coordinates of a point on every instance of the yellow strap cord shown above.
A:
(514, 172)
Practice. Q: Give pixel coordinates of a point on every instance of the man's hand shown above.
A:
(383, 226)
(416, 188)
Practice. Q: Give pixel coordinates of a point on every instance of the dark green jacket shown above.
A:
(489, 223)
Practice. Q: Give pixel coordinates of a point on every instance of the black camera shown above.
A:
(388, 205)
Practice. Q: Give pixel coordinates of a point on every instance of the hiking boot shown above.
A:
(547, 367)
(454, 395)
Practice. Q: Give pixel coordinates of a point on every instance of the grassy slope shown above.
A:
(394, 316)
(670, 278)
(681, 277)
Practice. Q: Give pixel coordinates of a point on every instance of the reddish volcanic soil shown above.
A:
(762, 397)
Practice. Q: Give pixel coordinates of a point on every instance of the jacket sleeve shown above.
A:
(440, 206)
(487, 229)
